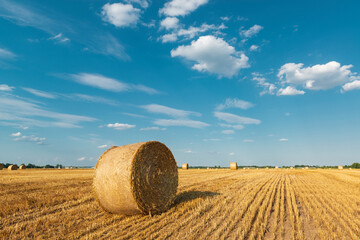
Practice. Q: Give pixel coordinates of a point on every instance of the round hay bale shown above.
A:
(13, 167)
(1, 166)
(136, 178)
(340, 167)
(185, 166)
(22, 166)
(233, 166)
(276, 167)
(306, 167)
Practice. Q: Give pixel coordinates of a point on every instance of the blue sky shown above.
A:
(257, 82)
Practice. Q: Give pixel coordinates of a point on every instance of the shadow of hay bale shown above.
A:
(191, 195)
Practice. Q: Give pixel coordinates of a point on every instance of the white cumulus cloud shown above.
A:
(120, 15)
(213, 55)
(17, 134)
(351, 86)
(251, 31)
(289, 91)
(170, 23)
(81, 158)
(120, 126)
(175, 8)
(317, 77)
(254, 48)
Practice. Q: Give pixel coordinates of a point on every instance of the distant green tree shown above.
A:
(355, 165)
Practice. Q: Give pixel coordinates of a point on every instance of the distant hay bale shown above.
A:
(306, 167)
(291, 167)
(340, 167)
(136, 178)
(350, 168)
(22, 166)
(276, 167)
(266, 168)
(233, 166)
(207, 168)
(185, 166)
(13, 167)
(1, 166)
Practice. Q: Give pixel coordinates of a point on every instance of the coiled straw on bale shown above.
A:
(185, 166)
(13, 167)
(233, 166)
(136, 178)
(1, 166)
(22, 166)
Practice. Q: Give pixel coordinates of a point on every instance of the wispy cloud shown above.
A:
(18, 137)
(172, 112)
(232, 118)
(60, 38)
(54, 23)
(234, 103)
(5, 87)
(103, 146)
(228, 131)
(283, 139)
(109, 84)
(152, 129)
(181, 122)
(120, 126)
(40, 93)
(6, 53)
(23, 112)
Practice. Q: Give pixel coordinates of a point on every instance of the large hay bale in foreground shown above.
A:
(340, 167)
(13, 167)
(1, 166)
(233, 166)
(136, 178)
(22, 166)
(185, 166)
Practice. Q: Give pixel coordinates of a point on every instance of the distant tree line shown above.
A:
(30, 165)
(354, 165)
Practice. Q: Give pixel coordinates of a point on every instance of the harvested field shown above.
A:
(210, 204)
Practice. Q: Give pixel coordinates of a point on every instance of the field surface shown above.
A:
(211, 204)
